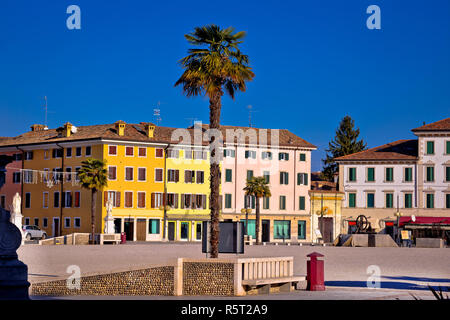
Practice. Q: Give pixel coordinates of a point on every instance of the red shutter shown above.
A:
(176, 200)
(204, 201)
(177, 175)
(153, 200)
(105, 198)
(117, 198)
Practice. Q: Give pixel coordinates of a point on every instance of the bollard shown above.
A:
(123, 238)
(315, 272)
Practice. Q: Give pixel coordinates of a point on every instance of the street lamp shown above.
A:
(165, 209)
(398, 214)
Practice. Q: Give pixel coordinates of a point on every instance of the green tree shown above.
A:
(216, 67)
(93, 176)
(345, 142)
(259, 188)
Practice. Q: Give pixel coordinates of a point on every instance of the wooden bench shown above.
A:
(102, 238)
(264, 273)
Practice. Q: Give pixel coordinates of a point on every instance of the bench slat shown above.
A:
(257, 282)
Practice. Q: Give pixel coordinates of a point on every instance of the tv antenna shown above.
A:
(157, 113)
(46, 110)
(250, 110)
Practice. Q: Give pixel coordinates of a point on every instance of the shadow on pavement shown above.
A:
(384, 285)
(417, 279)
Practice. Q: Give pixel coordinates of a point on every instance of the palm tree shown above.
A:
(215, 68)
(259, 188)
(93, 176)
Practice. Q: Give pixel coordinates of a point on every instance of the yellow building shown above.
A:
(325, 214)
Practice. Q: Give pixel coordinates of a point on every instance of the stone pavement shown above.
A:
(402, 270)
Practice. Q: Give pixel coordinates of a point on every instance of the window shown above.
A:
(189, 176)
(200, 201)
(352, 200)
(370, 200)
(301, 229)
(250, 202)
(77, 199)
(229, 153)
(158, 175)
(282, 202)
(129, 173)
(141, 199)
(67, 199)
(389, 200)
(153, 226)
(112, 172)
(281, 229)
(251, 229)
(430, 147)
(370, 174)
(352, 174)
(301, 203)
(198, 231)
(57, 174)
(408, 200)
(447, 147)
(172, 200)
(78, 151)
(284, 177)
(114, 195)
(266, 155)
(142, 152)
(27, 221)
(16, 177)
(266, 203)
(47, 152)
(227, 200)
(250, 154)
(77, 222)
(68, 175)
(66, 222)
(76, 175)
(302, 179)
(17, 157)
(200, 155)
(408, 175)
(447, 201)
(2, 201)
(112, 150)
(430, 200)
(228, 175)
(430, 174)
(27, 200)
(56, 199)
(129, 151)
(142, 174)
(68, 152)
(173, 175)
(302, 156)
(88, 151)
(249, 174)
(156, 200)
(159, 153)
(128, 199)
(174, 154)
(44, 222)
(200, 177)
(187, 201)
(188, 154)
(283, 156)
(27, 176)
(447, 174)
(266, 175)
(389, 175)
(29, 155)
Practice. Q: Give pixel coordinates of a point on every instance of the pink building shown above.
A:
(12, 182)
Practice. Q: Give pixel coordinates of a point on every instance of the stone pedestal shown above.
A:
(13, 273)
(109, 225)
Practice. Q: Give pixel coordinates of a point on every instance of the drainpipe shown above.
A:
(21, 179)
(61, 191)
(165, 193)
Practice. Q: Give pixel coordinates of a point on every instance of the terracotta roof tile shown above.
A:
(441, 125)
(398, 150)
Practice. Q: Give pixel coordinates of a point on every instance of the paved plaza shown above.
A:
(403, 271)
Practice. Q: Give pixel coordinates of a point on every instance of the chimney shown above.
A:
(149, 129)
(120, 128)
(67, 129)
(37, 127)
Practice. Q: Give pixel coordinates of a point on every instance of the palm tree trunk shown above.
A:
(258, 225)
(214, 123)
(93, 206)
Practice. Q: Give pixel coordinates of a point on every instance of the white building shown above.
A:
(407, 176)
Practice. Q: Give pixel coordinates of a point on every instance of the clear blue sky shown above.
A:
(314, 61)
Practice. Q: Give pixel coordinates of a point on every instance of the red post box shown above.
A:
(315, 272)
(123, 238)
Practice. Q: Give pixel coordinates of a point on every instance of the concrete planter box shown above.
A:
(429, 243)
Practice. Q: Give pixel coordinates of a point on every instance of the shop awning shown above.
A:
(442, 221)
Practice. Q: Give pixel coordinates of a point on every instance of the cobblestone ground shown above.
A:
(346, 269)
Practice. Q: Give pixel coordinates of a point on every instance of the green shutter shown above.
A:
(301, 229)
(370, 200)
(408, 174)
(430, 173)
(447, 174)
(447, 200)
(430, 201)
(228, 201)
(408, 200)
(447, 147)
(370, 174)
(301, 205)
(249, 174)
(430, 147)
(305, 179)
(302, 157)
(282, 229)
(389, 200)
(228, 175)
(352, 174)
(266, 203)
(389, 174)
(352, 200)
(267, 176)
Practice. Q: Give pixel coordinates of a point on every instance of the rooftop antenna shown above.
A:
(46, 110)
(250, 111)
(157, 113)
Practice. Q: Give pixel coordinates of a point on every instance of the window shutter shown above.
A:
(177, 175)
(105, 198)
(175, 200)
(182, 201)
(70, 199)
(153, 200)
(287, 157)
(203, 201)
(117, 198)
(193, 204)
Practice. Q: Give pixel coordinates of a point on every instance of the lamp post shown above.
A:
(165, 209)
(398, 214)
(247, 211)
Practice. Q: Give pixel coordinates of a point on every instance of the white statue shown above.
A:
(109, 220)
(16, 215)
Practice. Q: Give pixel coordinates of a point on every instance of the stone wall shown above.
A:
(208, 278)
(151, 281)
(80, 239)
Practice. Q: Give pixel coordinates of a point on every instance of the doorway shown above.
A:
(184, 231)
(129, 229)
(117, 225)
(141, 230)
(326, 229)
(266, 231)
(55, 227)
(171, 231)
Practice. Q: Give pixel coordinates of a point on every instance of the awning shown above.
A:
(442, 221)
